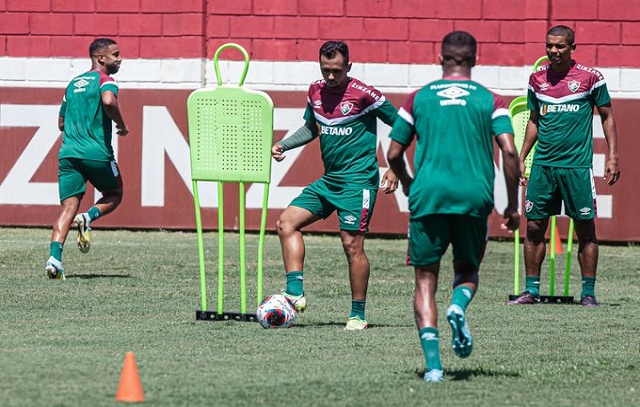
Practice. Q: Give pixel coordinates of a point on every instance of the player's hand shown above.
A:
(276, 152)
(389, 182)
(122, 131)
(512, 219)
(612, 171)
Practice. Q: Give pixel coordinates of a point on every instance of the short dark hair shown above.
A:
(563, 31)
(331, 48)
(459, 47)
(100, 44)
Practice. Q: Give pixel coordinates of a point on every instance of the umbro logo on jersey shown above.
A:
(80, 86)
(573, 86)
(544, 87)
(350, 220)
(452, 94)
(317, 104)
(345, 107)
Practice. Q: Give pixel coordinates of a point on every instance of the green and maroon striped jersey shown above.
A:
(454, 121)
(87, 128)
(565, 102)
(346, 122)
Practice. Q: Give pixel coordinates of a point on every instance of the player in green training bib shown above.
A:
(561, 99)
(342, 113)
(455, 122)
(89, 106)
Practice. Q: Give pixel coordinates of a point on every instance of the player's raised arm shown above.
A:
(299, 138)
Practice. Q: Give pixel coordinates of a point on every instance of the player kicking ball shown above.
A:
(342, 113)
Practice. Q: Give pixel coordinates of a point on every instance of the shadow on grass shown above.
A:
(91, 276)
(465, 374)
(342, 324)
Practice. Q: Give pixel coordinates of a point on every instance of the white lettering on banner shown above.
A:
(16, 188)
(162, 138)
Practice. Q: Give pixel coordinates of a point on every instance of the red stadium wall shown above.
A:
(156, 174)
(510, 33)
(396, 31)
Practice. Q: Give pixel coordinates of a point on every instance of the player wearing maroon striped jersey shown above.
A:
(561, 99)
(455, 122)
(342, 112)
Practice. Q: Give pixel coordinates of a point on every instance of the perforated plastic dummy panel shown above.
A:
(230, 134)
(519, 119)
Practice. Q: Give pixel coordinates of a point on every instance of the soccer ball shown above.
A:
(276, 311)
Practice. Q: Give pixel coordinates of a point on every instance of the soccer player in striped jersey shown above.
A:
(455, 122)
(561, 98)
(342, 112)
(89, 106)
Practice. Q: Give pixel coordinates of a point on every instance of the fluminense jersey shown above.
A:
(565, 101)
(454, 121)
(346, 122)
(87, 128)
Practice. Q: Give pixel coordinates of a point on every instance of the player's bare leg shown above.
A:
(359, 270)
(68, 209)
(588, 253)
(61, 226)
(289, 227)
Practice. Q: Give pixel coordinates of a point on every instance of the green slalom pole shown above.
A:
(516, 265)
(243, 280)
(263, 227)
(552, 257)
(203, 284)
(220, 249)
(567, 267)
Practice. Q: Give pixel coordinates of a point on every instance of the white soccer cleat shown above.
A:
(54, 269)
(82, 224)
(299, 301)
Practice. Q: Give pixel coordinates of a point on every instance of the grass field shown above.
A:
(63, 343)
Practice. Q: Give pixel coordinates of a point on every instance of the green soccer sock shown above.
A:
(94, 213)
(55, 250)
(357, 309)
(462, 296)
(532, 284)
(588, 287)
(294, 283)
(431, 347)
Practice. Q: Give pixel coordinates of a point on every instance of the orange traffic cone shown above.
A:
(130, 387)
(558, 243)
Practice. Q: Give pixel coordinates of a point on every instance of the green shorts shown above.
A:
(354, 206)
(549, 187)
(430, 236)
(73, 174)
